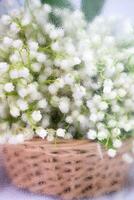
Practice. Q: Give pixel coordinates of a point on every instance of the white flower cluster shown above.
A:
(76, 81)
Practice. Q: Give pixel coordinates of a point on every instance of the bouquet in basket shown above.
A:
(62, 77)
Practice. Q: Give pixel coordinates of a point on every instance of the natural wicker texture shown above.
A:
(70, 170)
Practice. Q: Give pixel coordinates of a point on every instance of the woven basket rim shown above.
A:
(35, 145)
(57, 142)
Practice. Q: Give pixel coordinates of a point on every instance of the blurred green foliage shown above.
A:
(91, 8)
(59, 3)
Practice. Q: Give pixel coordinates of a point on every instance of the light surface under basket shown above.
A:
(71, 169)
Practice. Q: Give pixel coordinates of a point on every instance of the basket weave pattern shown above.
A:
(74, 169)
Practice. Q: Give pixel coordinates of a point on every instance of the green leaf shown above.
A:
(91, 8)
(58, 3)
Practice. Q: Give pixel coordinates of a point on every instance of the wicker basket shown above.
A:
(71, 170)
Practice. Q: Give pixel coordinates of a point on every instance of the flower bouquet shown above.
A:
(66, 101)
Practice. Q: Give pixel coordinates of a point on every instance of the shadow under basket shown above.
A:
(71, 169)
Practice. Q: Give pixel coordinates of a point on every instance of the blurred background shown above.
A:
(91, 8)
